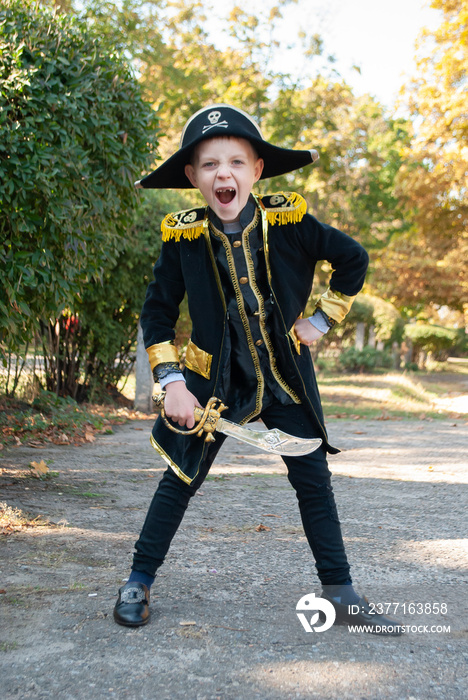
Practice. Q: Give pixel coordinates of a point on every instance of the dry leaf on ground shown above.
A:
(39, 468)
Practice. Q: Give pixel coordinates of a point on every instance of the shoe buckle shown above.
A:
(132, 595)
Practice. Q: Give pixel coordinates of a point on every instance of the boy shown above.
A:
(247, 266)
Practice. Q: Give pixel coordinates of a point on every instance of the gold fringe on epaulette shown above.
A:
(285, 215)
(171, 229)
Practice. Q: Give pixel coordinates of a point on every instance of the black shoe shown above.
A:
(361, 614)
(132, 606)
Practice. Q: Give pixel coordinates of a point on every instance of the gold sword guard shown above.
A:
(207, 417)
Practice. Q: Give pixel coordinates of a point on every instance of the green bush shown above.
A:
(438, 340)
(75, 134)
(354, 360)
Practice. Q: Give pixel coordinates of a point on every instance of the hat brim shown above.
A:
(277, 161)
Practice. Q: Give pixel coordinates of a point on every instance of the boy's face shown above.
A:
(224, 170)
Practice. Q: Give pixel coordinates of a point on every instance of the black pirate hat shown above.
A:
(224, 120)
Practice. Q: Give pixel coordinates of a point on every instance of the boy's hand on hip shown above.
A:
(179, 404)
(306, 332)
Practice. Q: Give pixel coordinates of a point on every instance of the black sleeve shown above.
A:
(164, 294)
(349, 260)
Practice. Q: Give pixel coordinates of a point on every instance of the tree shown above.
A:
(75, 134)
(426, 264)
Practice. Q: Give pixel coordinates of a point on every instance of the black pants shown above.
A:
(309, 475)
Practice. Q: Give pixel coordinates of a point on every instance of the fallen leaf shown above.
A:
(62, 440)
(262, 528)
(39, 468)
(89, 436)
(430, 468)
(2, 591)
(270, 515)
(384, 416)
(359, 432)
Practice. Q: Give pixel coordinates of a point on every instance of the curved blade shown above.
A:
(275, 441)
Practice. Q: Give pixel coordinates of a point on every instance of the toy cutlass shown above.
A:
(209, 421)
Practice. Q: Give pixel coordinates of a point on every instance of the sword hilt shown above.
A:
(207, 417)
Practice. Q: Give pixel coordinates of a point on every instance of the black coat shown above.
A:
(187, 265)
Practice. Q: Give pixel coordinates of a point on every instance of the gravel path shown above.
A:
(401, 492)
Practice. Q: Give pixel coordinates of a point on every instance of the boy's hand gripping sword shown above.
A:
(209, 420)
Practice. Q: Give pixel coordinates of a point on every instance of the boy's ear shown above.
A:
(258, 169)
(190, 173)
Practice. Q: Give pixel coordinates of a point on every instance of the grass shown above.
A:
(391, 395)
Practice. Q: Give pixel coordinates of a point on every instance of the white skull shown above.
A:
(276, 199)
(213, 117)
(188, 218)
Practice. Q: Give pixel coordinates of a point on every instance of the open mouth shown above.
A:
(225, 194)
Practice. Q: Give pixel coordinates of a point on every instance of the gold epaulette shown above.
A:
(280, 208)
(184, 224)
(284, 207)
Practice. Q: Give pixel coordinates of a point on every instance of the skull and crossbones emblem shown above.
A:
(214, 118)
(277, 199)
(189, 218)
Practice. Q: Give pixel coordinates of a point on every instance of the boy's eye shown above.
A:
(208, 164)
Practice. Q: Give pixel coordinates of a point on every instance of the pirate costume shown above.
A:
(247, 283)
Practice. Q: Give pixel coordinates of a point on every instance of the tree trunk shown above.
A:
(144, 379)
(360, 333)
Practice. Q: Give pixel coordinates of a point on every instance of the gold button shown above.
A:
(236, 244)
(243, 280)
(259, 342)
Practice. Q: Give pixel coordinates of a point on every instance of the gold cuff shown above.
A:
(162, 352)
(335, 304)
(198, 360)
(294, 337)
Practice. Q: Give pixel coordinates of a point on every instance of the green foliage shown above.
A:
(365, 360)
(377, 312)
(48, 418)
(103, 344)
(435, 339)
(372, 311)
(75, 134)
